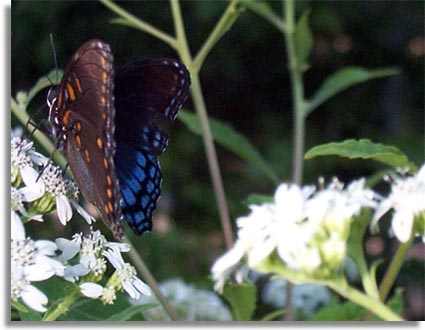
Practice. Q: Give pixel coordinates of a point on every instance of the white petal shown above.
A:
(113, 254)
(17, 230)
(34, 298)
(87, 216)
(228, 260)
(123, 247)
(46, 247)
(91, 290)
(64, 209)
(402, 224)
(38, 158)
(33, 187)
(37, 217)
(142, 287)
(72, 273)
(68, 247)
(38, 272)
(131, 290)
(260, 252)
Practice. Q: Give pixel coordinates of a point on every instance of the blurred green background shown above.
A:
(246, 84)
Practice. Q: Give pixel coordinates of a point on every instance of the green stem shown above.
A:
(224, 24)
(371, 304)
(133, 21)
(297, 91)
(199, 104)
(299, 119)
(44, 141)
(63, 306)
(394, 269)
(150, 280)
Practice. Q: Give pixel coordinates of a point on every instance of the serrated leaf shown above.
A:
(242, 299)
(232, 140)
(303, 39)
(343, 79)
(364, 149)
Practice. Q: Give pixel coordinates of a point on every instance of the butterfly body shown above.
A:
(109, 133)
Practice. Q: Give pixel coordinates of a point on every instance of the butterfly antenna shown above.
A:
(54, 57)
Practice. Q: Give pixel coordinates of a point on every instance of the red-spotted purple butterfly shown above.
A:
(105, 121)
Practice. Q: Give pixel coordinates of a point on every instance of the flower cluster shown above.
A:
(85, 258)
(191, 303)
(38, 188)
(41, 185)
(307, 229)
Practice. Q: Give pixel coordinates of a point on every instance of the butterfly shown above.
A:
(106, 122)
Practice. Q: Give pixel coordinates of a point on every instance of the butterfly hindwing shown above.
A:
(146, 91)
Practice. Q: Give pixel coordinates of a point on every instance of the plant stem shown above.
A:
(64, 305)
(224, 24)
(373, 305)
(44, 141)
(133, 21)
(297, 92)
(199, 104)
(299, 119)
(150, 280)
(394, 269)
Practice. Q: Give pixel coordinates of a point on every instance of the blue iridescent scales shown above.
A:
(145, 91)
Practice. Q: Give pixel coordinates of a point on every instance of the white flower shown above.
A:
(190, 303)
(95, 291)
(21, 288)
(30, 261)
(335, 206)
(407, 199)
(306, 230)
(126, 274)
(55, 185)
(266, 228)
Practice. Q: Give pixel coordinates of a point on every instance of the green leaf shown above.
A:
(258, 199)
(303, 39)
(30, 315)
(51, 78)
(232, 140)
(128, 313)
(396, 302)
(347, 311)
(364, 149)
(242, 299)
(343, 79)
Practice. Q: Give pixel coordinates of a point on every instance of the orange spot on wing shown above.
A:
(78, 140)
(109, 180)
(66, 117)
(77, 83)
(99, 143)
(87, 155)
(109, 192)
(71, 91)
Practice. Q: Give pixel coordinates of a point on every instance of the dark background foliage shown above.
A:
(245, 84)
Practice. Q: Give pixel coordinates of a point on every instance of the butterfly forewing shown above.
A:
(85, 123)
